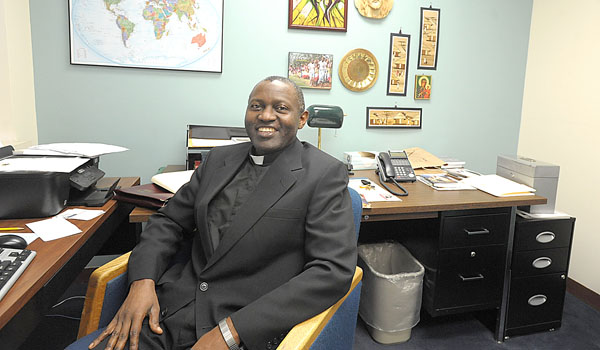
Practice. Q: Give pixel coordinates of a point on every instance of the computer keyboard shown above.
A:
(12, 264)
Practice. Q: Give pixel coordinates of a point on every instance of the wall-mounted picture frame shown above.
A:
(394, 117)
(315, 14)
(310, 70)
(398, 64)
(110, 33)
(429, 38)
(422, 87)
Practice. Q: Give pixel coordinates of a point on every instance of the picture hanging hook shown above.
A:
(430, 5)
(400, 31)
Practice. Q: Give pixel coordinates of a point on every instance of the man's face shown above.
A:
(273, 116)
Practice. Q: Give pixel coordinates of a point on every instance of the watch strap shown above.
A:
(227, 336)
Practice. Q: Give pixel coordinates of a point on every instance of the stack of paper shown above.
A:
(361, 160)
(443, 182)
(172, 181)
(499, 186)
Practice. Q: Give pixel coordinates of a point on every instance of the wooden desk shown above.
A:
(54, 268)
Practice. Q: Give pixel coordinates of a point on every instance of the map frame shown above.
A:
(215, 67)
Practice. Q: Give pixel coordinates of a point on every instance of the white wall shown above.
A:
(561, 117)
(17, 115)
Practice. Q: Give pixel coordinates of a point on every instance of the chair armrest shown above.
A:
(302, 336)
(94, 298)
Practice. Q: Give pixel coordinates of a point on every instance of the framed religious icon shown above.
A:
(173, 35)
(422, 87)
(310, 70)
(398, 68)
(358, 70)
(316, 14)
(429, 39)
(393, 117)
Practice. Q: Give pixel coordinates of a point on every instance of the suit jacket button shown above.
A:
(163, 312)
(203, 286)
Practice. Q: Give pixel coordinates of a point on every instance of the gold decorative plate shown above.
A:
(358, 70)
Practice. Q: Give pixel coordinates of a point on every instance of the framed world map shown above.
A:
(158, 34)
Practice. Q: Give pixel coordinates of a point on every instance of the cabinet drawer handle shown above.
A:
(545, 237)
(470, 278)
(537, 300)
(542, 262)
(478, 231)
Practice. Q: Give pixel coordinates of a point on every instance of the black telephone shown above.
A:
(394, 166)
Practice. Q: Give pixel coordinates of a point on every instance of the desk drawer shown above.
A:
(542, 234)
(536, 300)
(468, 277)
(474, 230)
(534, 262)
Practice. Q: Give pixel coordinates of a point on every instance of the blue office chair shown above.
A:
(330, 330)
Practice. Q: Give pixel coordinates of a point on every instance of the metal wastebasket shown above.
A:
(390, 299)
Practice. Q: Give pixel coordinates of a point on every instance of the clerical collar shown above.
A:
(265, 160)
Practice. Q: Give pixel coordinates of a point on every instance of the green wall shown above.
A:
(474, 113)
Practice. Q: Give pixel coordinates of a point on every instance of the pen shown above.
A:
(11, 228)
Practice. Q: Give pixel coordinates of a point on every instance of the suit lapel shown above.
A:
(274, 185)
(218, 177)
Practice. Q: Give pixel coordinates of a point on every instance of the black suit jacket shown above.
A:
(289, 253)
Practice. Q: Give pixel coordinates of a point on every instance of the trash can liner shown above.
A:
(392, 286)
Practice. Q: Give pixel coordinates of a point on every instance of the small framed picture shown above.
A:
(310, 70)
(422, 87)
(398, 68)
(393, 117)
(323, 15)
(429, 39)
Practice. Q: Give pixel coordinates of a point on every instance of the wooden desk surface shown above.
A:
(51, 256)
(423, 201)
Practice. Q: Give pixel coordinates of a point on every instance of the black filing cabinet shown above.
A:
(539, 268)
(467, 273)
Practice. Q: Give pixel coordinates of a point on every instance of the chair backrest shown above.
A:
(339, 331)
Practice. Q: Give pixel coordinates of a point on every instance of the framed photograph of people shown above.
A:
(398, 67)
(422, 87)
(315, 14)
(393, 117)
(147, 34)
(429, 39)
(310, 70)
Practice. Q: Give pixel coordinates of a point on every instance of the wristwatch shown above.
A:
(227, 335)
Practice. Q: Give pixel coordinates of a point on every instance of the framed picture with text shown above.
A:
(398, 65)
(429, 38)
(147, 34)
(393, 117)
(315, 14)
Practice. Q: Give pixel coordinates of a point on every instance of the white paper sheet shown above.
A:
(81, 214)
(54, 228)
(53, 164)
(90, 150)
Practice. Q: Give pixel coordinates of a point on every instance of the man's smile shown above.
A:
(266, 131)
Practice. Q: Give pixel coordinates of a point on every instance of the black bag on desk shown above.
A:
(25, 194)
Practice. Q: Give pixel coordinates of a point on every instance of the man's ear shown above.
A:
(302, 120)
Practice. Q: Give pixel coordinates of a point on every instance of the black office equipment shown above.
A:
(12, 241)
(12, 264)
(394, 166)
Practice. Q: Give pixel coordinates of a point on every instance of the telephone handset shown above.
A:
(394, 166)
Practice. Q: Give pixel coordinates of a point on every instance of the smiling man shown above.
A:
(270, 229)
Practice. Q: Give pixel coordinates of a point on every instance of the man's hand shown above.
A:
(127, 323)
(213, 340)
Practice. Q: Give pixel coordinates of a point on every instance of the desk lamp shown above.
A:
(324, 116)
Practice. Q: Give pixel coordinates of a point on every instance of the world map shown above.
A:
(163, 34)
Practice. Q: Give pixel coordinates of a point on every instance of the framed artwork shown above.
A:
(147, 34)
(310, 70)
(393, 117)
(422, 87)
(429, 39)
(398, 68)
(316, 14)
